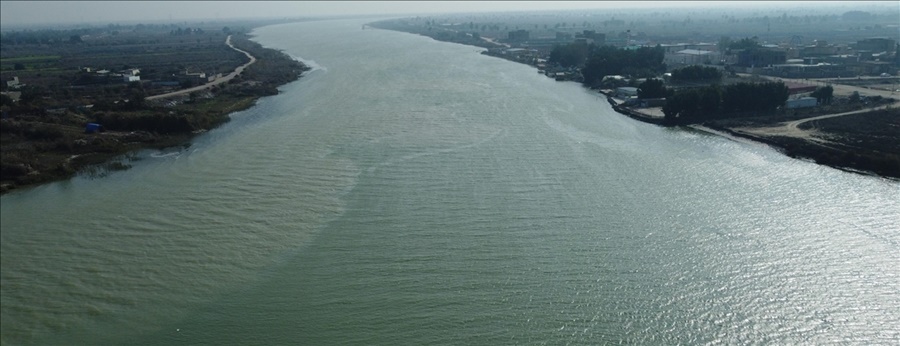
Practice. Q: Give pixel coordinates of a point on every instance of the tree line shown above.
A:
(602, 61)
(694, 105)
(696, 73)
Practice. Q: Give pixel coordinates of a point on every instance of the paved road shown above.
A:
(218, 81)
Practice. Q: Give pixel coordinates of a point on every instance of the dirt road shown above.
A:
(839, 89)
(218, 81)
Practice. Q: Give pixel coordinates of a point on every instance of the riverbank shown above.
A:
(845, 148)
(39, 148)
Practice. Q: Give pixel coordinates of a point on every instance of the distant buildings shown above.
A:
(761, 57)
(518, 36)
(591, 36)
(691, 57)
(876, 44)
(131, 75)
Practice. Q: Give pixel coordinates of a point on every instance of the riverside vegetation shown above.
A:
(43, 130)
(712, 96)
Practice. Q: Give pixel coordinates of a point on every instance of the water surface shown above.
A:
(409, 191)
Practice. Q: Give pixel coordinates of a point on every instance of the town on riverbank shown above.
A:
(819, 84)
(84, 97)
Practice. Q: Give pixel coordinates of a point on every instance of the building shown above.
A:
(591, 36)
(876, 44)
(822, 48)
(13, 83)
(803, 102)
(691, 57)
(518, 36)
(760, 57)
(798, 70)
(131, 72)
(128, 78)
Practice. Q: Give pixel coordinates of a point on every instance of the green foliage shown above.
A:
(5, 100)
(155, 122)
(713, 102)
(824, 94)
(609, 60)
(754, 97)
(571, 55)
(693, 105)
(651, 89)
(696, 73)
(745, 43)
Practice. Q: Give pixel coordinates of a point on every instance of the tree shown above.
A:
(569, 55)
(651, 89)
(823, 95)
(5, 100)
(696, 73)
(724, 43)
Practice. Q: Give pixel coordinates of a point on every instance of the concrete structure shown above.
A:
(760, 57)
(803, 102)
(518, 36)
(623, 92)
(13, 83)
(691, 57)
(591, 36)
(876, 44)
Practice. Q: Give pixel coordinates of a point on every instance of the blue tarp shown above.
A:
(93, 127)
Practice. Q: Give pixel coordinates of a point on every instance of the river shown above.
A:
(412, 192)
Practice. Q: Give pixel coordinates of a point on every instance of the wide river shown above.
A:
(414, 192)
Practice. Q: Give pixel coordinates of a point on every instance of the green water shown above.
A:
(408, 191)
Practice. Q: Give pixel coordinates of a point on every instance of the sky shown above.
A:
(18, 13)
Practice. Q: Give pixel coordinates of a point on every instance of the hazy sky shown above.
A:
(16, 13)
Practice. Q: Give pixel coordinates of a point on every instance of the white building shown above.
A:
(691, 57)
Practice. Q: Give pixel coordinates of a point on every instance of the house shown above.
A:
(128, 78)
(760, 57)
(591, 36)
(13, 83)
(131, 72)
